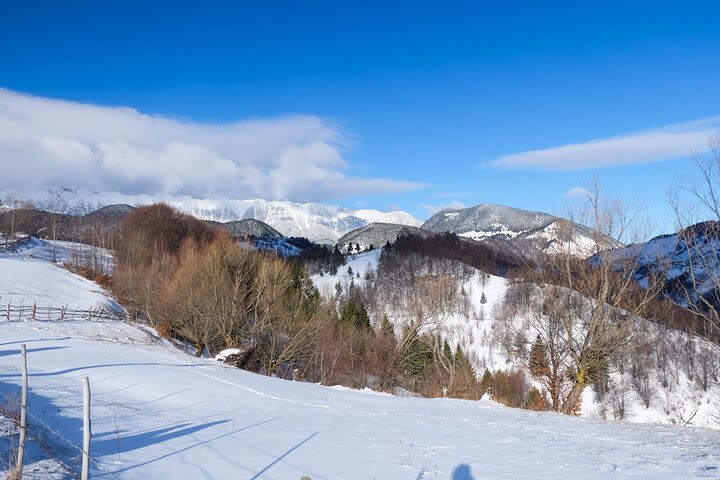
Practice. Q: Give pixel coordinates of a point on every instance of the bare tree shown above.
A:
(58, 208)
(694, 199)
(596, 303)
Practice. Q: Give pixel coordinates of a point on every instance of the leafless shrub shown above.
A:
(640, 374)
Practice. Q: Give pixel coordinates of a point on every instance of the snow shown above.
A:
(501, 231)
(362, 264)
(159, 413)
(181, 417)
(222, 356)
(63, 252)
(24, 281)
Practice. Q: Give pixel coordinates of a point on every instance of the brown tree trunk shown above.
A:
(573, 397)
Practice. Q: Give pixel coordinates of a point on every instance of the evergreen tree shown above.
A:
(487, 378)
(338, 290)
(462, 363)
(538, 362)
(357, 247)
(371, 247)
(355, 313)
(350, 271)
(418, 356)
(483, 299)
(387, 246)
(447, 352)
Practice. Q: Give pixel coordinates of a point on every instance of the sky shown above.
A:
(389, 105)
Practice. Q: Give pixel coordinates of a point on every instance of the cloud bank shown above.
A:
(665, 143)
(47, 142)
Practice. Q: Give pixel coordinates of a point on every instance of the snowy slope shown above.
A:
(320, 223)
(63, 252)
(24, 281)
(674, 256)
(360, 265)
(160, 414)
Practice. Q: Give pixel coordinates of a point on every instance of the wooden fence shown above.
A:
(25, 313)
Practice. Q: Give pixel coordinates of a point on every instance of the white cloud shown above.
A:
(577, 192)
(433, 209)
(47, 142)
(665, 143)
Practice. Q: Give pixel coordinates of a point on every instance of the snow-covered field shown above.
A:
(158, 413)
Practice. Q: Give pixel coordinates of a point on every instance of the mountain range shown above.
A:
(317, 222)
(510, 229)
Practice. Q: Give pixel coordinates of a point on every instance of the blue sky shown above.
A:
(399, 106)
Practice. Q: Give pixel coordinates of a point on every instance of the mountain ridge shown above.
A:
(527, 232)
(318, 222)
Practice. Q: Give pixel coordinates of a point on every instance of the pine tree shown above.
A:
(487, 378)
(483, 299)
(338, 290)
(535, 400)
(462, 363)
(418, 356)
(355, 313)
(447, 352)
(538, 362)
(350, 271)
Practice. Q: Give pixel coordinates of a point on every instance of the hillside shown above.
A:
(689, 261)
(523, 232)
(667, 378)
(377, 235)
(159, 413)
(248, 227)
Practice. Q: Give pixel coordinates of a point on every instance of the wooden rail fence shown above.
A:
(24, 313)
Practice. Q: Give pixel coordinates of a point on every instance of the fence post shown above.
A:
(23, 412)
(34, 310)
(87, 433)
(8, 312)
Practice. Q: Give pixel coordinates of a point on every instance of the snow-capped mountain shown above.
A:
(378, 234)
(522, 231)
(319, 223)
